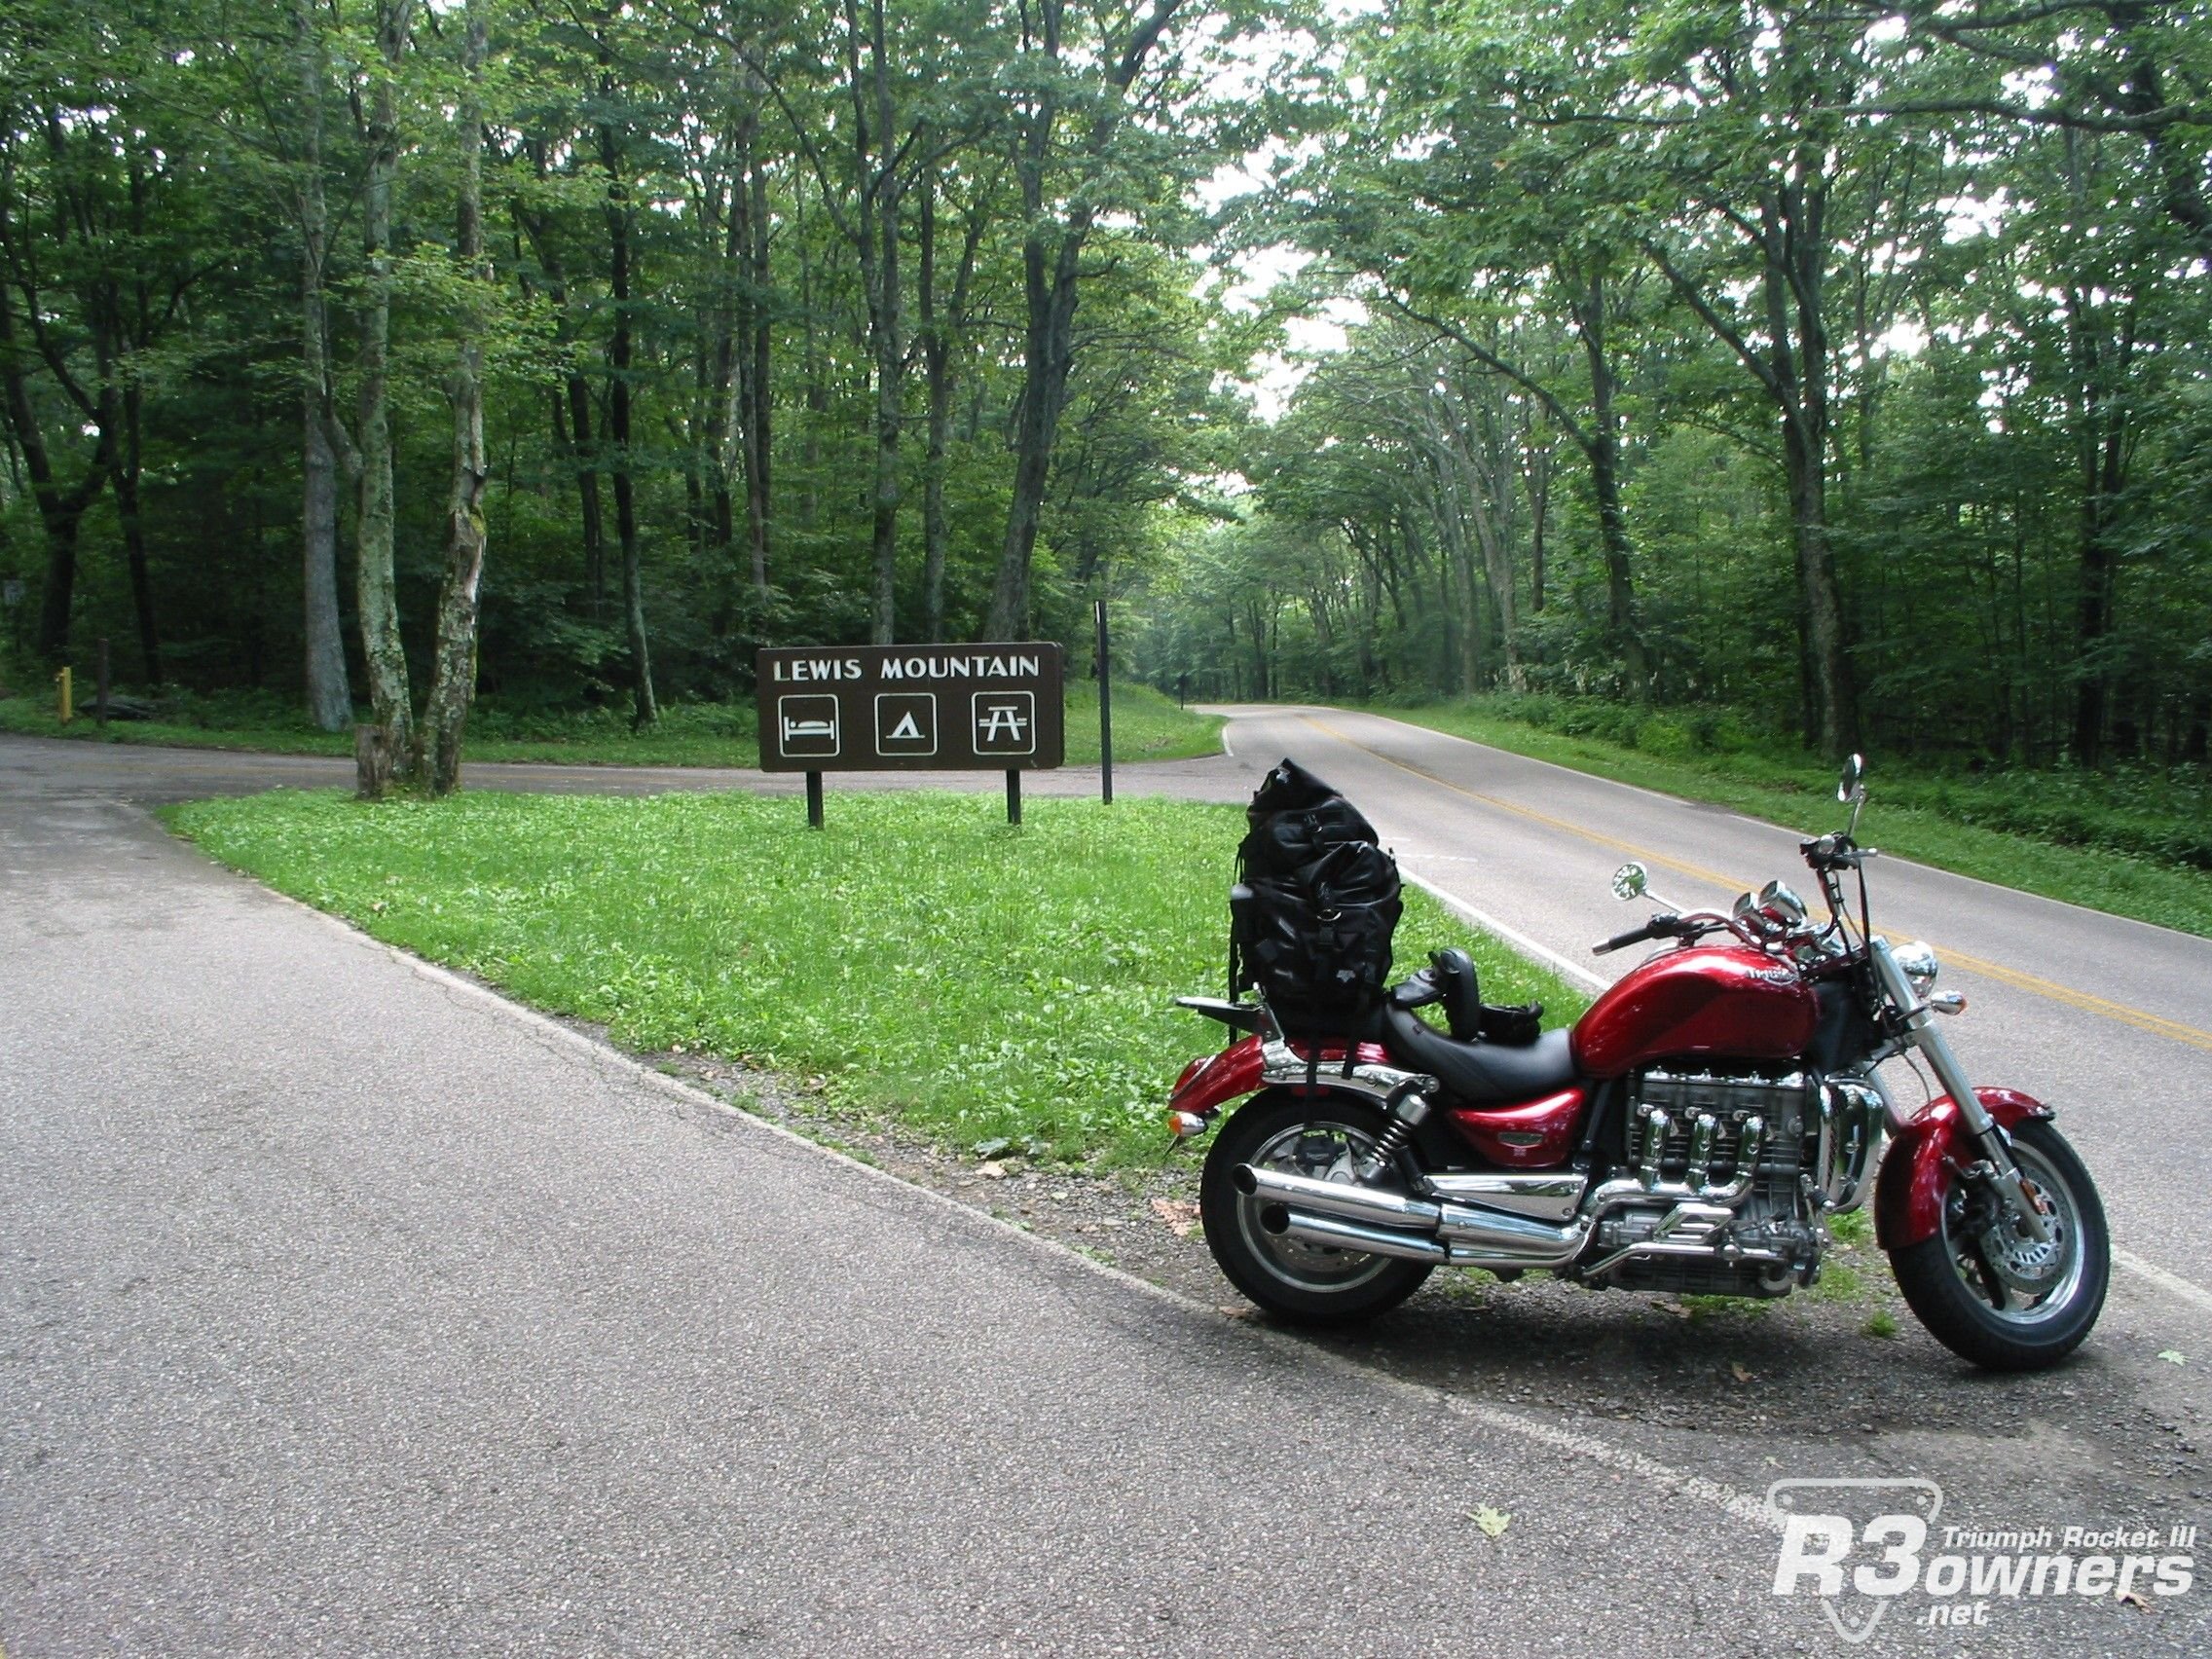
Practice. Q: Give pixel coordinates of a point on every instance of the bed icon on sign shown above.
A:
(1006, 723)
(807, 727)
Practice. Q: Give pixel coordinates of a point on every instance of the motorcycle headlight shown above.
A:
(1918, 959)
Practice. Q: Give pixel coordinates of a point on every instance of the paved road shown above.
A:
(348, 1309)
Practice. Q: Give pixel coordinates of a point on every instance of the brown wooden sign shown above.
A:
(899, 708)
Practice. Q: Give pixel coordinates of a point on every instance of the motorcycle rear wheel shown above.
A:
(1305, 1284)
(2009, 1303)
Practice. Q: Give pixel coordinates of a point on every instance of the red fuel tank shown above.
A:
(1726, 1001)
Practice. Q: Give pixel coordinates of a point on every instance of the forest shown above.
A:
(1836, 371)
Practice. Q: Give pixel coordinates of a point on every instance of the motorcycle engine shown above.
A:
(1769, 1245)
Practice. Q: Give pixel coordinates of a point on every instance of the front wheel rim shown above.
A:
(2013, 1279)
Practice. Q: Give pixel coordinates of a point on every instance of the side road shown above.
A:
(52, 766)
(347, 1310)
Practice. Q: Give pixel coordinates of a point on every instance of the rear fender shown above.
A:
(1212, 1080)
(1908, 1194)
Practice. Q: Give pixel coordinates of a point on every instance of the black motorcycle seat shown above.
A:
(1480, 1073)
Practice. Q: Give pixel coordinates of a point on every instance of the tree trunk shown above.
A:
(1050, 286)
(377, 594)
(591, 519)
(453, 662)
(60, 512)
(2102, 447)
(134, 527)
(943, 320)
(1605, 453)
(329, 695)
(880, 264)
(643, 709)
(753, 389)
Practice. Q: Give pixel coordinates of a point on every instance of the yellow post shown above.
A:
(68, 711)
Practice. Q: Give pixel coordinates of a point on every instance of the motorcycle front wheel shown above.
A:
(1306, 1284)
(2001, 1299)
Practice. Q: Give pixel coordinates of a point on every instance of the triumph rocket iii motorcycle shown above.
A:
(1694, 1131)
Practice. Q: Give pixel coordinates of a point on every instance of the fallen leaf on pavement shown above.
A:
(1493, 1522)
(2173, 1356)
(1181, 1218)
(992, 1171)
(1741, 1375)
(2134, 1598)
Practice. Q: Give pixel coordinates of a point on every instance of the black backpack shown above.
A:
(1314, 908)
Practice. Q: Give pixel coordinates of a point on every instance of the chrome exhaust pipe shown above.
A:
(1350, 1234)
(1457, 1233)
(1374, 1206)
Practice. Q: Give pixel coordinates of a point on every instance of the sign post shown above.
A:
(1105, 714)
(910, 708)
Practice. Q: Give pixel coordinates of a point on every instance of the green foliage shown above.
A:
(975, 981)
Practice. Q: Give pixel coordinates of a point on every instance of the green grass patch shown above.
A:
(1147, 727)
(974, 980)
(2133, 844)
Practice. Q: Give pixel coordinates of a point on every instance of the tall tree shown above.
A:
(376, 588)
(453, 657)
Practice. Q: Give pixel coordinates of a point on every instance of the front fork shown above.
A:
(1920, 1033)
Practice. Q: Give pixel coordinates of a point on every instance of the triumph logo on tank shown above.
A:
(1864, 1545)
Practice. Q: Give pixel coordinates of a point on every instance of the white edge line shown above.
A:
(1519, 941)
(2171, 1283)
(1226, 747)
(1716, 1495)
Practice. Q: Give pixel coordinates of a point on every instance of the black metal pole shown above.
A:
(103, 683)
(1013, 796)
(814, 800)
(1105, 712)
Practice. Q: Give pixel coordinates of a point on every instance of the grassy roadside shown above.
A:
(1147, 727)
(924, 961)
(1939, 820)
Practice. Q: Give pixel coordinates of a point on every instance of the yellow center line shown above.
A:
(2156, 1025)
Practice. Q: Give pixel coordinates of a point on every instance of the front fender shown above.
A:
(1908, 1194)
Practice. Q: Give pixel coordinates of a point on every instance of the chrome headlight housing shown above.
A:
(1918, 959)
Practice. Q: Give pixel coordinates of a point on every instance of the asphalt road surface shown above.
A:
(348, 1309)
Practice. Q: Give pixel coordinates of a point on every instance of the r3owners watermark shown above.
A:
(1866, 1545)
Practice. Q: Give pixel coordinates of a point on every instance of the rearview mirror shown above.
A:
(1850, 788)
(1630, 881)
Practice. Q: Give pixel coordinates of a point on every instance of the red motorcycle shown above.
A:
(1692, 1132)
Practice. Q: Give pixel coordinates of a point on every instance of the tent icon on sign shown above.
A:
(905, 724)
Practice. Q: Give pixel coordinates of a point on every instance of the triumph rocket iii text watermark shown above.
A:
(1863, 1546)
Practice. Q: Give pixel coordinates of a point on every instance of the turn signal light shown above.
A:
(1948, 1002)
(1184, 1124)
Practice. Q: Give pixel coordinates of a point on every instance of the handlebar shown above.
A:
(1665, 925)
(1835, 852)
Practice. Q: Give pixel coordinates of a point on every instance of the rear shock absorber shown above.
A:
(1407, 1106)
